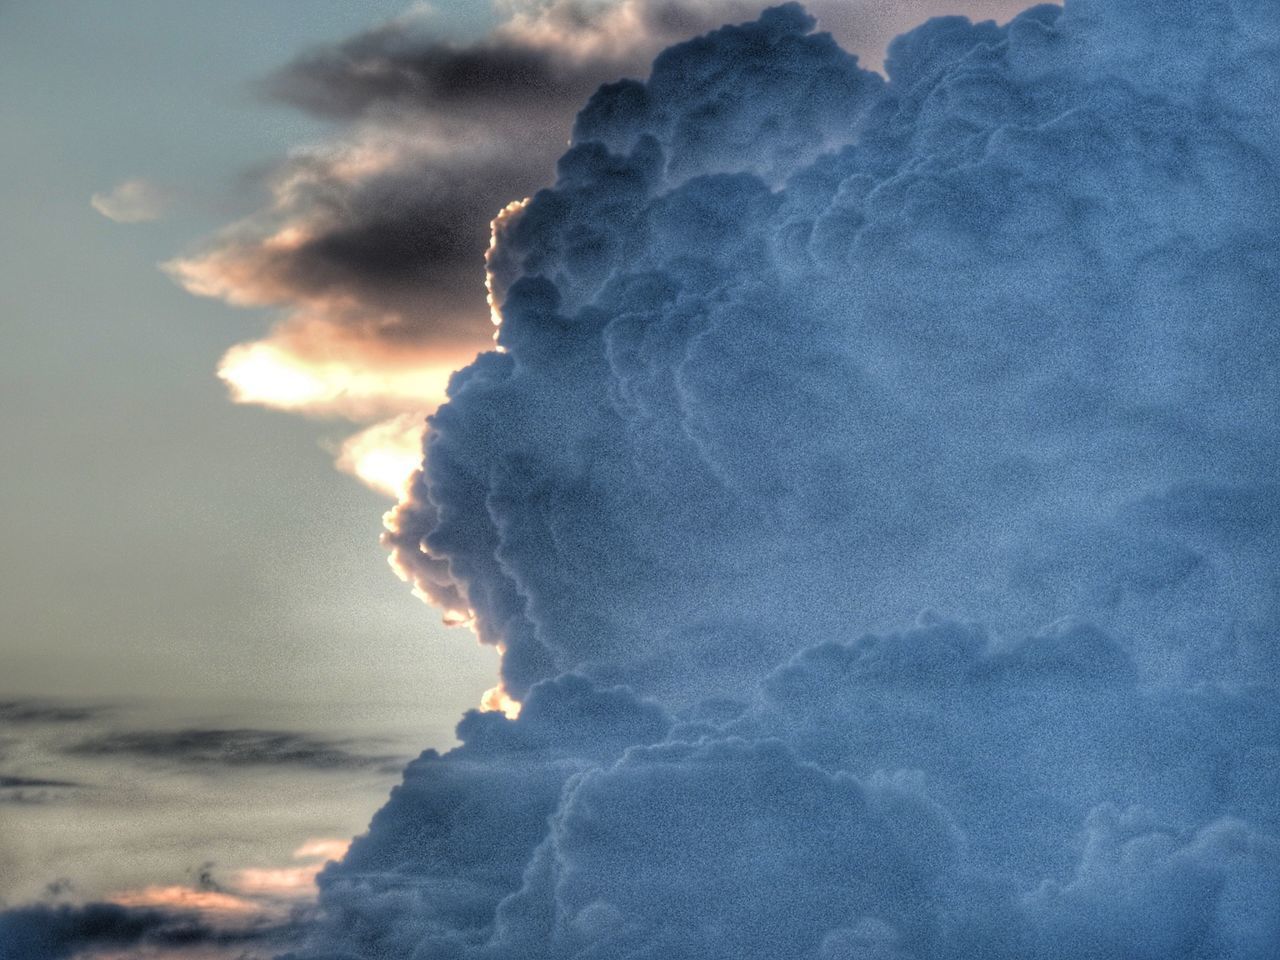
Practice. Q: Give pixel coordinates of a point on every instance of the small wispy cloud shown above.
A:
(15, 790)
(386, 455)
(133, 201)
(45, 711)
(12, 783)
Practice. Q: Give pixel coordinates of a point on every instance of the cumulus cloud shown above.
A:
(789, 352)
(133, 201)
(680, 280)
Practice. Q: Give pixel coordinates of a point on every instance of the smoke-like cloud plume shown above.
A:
(790, 352)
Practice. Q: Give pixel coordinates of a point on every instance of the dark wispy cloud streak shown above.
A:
(25, 791)
(387, 69)
(45, 712)
(230, 748)
(12, 782)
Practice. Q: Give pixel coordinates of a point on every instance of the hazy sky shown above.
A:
(157, 538)
(171, 561)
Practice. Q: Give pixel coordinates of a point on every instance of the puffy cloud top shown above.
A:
(791, 352)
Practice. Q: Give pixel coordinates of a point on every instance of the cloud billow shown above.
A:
(792, 352)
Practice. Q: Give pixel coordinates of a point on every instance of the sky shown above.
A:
(154, 532)
(849, 438)
(171, 560)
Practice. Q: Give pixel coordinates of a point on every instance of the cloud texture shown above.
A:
(792, 352)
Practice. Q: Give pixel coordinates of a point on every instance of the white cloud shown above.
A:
(133, 201)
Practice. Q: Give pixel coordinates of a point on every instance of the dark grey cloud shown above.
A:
(393, 219)
(790, 353)
(388, 69)
(409, 244)
(409, 241)
(55, 932)
(52, 932)
(244, 747)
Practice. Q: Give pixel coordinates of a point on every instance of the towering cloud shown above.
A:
(789, 353)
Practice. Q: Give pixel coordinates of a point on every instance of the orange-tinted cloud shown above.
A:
(179, 898)
(291, 882)
(255, 895)
(323, 848)
(386, 455)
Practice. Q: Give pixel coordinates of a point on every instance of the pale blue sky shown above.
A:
(185, 561)
(158, 538)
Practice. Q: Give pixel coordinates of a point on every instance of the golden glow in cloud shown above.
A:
(491, 283)
(271, 375)
(385, 456)
(613, 31)
(296, 881)
(278, 881)
(497, 699)
(255, 892)
(323, 848)
(208, 902)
